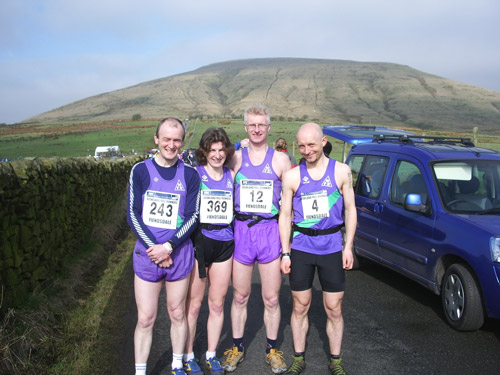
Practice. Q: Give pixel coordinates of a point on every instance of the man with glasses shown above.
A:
(259, 170)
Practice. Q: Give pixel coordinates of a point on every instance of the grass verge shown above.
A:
(92, 329)
(62, 328)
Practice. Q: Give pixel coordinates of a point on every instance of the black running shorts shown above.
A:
(330, 271)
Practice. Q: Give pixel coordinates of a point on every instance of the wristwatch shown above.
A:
(168, 246)
(285, 255)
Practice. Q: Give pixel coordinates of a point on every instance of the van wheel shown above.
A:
(461, 299)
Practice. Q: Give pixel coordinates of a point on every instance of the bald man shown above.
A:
(318, 193)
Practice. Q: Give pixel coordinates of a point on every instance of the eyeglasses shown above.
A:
(258, 126)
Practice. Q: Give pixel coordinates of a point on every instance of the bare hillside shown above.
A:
(331, 91)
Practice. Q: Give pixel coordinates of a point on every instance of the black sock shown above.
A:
(335, 356)
(301, 354)
(271, 344)
(238, 343)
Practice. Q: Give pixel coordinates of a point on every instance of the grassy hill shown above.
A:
(328, 91)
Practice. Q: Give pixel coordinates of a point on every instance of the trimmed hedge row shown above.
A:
(48, 207)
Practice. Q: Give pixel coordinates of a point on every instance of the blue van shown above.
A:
(429, 208)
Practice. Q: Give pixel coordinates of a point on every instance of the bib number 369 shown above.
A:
(216, 206)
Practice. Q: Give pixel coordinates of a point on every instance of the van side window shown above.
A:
(355, 164)
(407, 179)
(371, 176)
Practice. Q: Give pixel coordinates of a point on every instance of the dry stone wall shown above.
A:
(48, 207)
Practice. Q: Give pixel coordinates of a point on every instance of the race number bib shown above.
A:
(315, 205)
(216, 207)
(160, 210)
(256, 196)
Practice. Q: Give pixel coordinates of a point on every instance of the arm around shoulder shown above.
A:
(235, 162)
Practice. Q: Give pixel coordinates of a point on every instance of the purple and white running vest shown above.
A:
(163, 212)
(257, 187)
(318, 204)
(163, 203)
(216, 203)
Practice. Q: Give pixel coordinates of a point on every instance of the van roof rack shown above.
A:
(406, 138)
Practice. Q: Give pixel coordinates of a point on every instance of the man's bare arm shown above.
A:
(235, 162)
(281, 164)
(350, 215)
(285, 219)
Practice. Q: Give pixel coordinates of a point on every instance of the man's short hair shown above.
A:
(257, 109)
(173, 122)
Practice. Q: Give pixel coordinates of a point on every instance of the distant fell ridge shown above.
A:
(330, 91)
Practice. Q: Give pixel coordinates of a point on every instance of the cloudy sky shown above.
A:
(54, 52)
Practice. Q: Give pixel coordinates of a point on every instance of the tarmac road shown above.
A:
(392, 326)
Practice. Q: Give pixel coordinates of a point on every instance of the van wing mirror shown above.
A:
(414, 203)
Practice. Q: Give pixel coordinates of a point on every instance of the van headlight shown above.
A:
(495, 249)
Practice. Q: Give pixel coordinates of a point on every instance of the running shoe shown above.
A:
(192, 367)
(336, 367)
(178, 371)
(213, 364)
(275, 359)
(297, 366)
(232, 359)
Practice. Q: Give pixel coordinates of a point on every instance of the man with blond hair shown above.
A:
(315, 197)
(259, 170)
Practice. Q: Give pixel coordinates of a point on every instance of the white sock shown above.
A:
(188, 356)
(210, 355)
(140, 369)
(177, 361)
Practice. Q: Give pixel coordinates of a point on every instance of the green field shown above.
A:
(81, 139)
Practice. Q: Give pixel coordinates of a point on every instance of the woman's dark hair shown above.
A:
(211, 136)
(281, 144)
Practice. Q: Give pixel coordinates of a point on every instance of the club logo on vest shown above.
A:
(267, 169)
(155, 179)
(179, 186)
(305, 180)
(229, 184)
(327, 182)
(204, 177)
(247, 165)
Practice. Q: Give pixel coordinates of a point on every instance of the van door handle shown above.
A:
(378, 208)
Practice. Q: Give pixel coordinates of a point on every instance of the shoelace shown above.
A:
(191, 363)
(231, 353)
(214, 363)
(338, 369)
(276, 353)
(295, 367)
